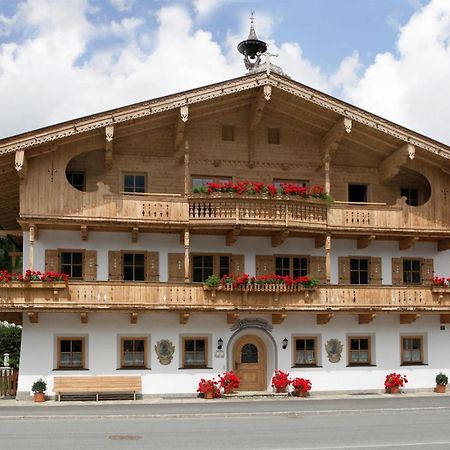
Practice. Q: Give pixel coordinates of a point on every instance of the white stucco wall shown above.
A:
(103, 332)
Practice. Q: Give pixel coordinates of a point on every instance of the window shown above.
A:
(227, 132)
(412, 350)
(249, 354)
(359, 271)
(273, 136)
(195, 351)
(359, 351)
(204, 266)
(277, 182)
(412, 196)
(134, 266)
(198, 180)
(133, 352)
(412, 271)
(305, 353)
(357, 193)
(134, 183)
(72, 264)
(293, 266)
(71, 353)
(77, 180)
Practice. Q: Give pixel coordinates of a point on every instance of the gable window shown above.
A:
(134, 183)
(273, 136)
(293, 266)
(204, 266)
(133, 352)
(359, 271)
(412, 196)
(72, 264)
(412, 271)
(305, 353)
(227, 132)
(195, 351)
(357, 193)
(134, 266)
(412, 350)
(359, 351)
(76, 180)
(70, 353)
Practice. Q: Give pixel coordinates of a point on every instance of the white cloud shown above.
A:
(204, 8)
(122, 5)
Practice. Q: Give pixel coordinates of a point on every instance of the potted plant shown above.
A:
(394, 382)
(229, 382)
(39, 387)
(301, 387)
(212, 282)
(441, 383)
(280, 381)
(209, 388)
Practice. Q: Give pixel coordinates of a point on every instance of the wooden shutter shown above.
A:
(397, 271)
(90, 265)
(52, 262)
(427, 271)
(176, 267)
(115, 266)
(265, 265)
(317, 268)
(237, 265)
(344, 269)
(152, 266)
(375, 270)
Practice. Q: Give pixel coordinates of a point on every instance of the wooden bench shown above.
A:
(97, 385)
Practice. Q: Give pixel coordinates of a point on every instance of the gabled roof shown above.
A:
(222, 89)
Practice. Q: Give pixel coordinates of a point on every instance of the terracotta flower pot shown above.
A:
(281, 390)
(300, 393)
(440, 389)
(394, 390)
(39, 397)
(208, 395)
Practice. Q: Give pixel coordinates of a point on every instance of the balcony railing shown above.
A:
(164, 296)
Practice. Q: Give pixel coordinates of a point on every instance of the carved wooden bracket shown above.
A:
(408, 242)
(34, 233)
(180, 126)
(33, 317)
(406, 319)
(134, 234)
(21, 166)
(84, 233)
(364, 241)
(232, 236)
(444, 245)
(232, 318)
(280, 237)
(330, 142)
(184, 318)
(134, 318)
(364, 319)
(278, 318)
(323, 319)
(319, 241)
(84, 317)
(109, 132)
(444, 318)
(391, 165)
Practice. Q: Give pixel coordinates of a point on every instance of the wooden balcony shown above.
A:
(122, 296)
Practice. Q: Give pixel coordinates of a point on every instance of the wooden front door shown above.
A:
(249, 363)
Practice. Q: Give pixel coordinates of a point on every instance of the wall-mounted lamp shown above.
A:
(220, 344)
(285, 343)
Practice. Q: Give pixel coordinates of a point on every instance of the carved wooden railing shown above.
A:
(164, 296)
(234, 210)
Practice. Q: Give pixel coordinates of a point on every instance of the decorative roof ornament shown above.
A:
(253, 49)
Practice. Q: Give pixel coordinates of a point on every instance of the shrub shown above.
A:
(39, 386)
(394, 380)
(301, 384)
(205, 386)
(441, 379)
(280, 380)
(229, 381)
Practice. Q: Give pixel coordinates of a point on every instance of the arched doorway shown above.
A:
(250, 363)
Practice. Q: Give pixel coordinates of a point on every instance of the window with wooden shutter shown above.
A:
(237, 264)
(176, 267)
(344, 269)
(317, 268)
(115, 266)
(375, 270)
(152, 266)
(90, 265)
(359, 270)
(265, 265)
(52, 261)
(427, 271)
(397, 271)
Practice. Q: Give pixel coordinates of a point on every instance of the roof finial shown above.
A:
(252, 35)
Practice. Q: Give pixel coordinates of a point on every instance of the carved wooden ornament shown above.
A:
(164, 350)
(334, 349)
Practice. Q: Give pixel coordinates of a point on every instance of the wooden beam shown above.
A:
(364, 241)
(134, 318)
(232, 318)
(33, 317)
(444, 318)
(18, 233)
(184, 318)
(407, 243)
(319, 241)
(84, 233)
(134, 234)
(390, 166)
(278, 318)
(330, 142)
(364, 319)
(109, 134)
(406, 319)
(280, 237)
(444, 245)
(84, 317)
(180, 126)
(232, 236)
(322, 319)
(21, 166)
(11, 317)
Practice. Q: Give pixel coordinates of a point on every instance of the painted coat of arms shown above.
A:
(165, 350)
(334, 350)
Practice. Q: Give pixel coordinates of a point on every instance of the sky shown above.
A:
(62, 59)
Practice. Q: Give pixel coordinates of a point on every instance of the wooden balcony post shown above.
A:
(187, 268)
(33, 238)
(327, 160)
(328, 258)
(187, 179)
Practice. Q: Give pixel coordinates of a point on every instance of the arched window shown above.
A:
(249, 353)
